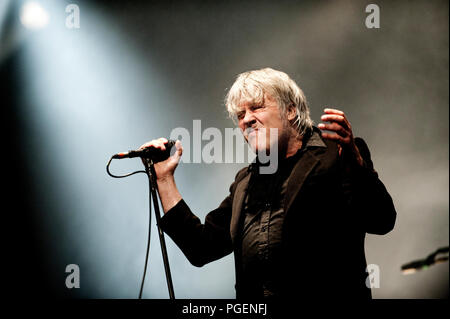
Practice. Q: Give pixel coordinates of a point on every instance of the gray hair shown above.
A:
(252, 85)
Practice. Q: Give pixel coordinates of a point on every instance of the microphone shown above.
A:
(156, 154)
(437, 257)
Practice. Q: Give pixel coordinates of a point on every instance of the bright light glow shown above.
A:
(83, 95)
(33, 15)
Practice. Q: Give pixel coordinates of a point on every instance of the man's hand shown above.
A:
(168, 192)
(339, 124)
(164, 169)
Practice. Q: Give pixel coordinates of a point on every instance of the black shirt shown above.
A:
(262, 227)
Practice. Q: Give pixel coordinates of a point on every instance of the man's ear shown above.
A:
(291, 112)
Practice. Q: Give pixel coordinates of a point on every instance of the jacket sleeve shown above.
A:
(368, 196)
(200, 243)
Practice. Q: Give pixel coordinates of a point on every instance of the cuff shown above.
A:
(174, 215)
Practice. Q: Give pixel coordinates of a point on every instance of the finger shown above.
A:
(175, 157)
(334, 137)
(179, 149)
(160, 145)
(144, 146)
(334, 127)
(154, 143)
(336, 118)
(333, 111)
(341, 142)
(333, 117)
(339, 113)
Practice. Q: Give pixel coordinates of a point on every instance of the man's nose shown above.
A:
(248, 119)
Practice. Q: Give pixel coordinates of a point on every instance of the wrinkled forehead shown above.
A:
(250, 101)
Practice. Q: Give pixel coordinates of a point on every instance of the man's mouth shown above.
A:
(251, 133)
(251, 130)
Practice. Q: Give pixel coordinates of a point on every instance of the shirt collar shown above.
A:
(312, 139)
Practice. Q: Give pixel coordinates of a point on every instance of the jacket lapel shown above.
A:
(237, 205)
(301, 171)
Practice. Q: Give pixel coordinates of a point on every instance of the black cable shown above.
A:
(149, 219)
(120, 176)
(148, 242)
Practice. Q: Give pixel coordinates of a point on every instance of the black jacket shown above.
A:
(328, 211)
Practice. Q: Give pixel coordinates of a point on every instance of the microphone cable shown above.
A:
(149, 222)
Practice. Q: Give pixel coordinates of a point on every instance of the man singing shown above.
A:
(297, 232)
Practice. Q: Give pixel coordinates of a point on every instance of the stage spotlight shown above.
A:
(33, 15)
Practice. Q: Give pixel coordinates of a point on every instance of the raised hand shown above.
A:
(343, 135)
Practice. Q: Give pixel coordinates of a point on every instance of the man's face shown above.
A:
(258, 122)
